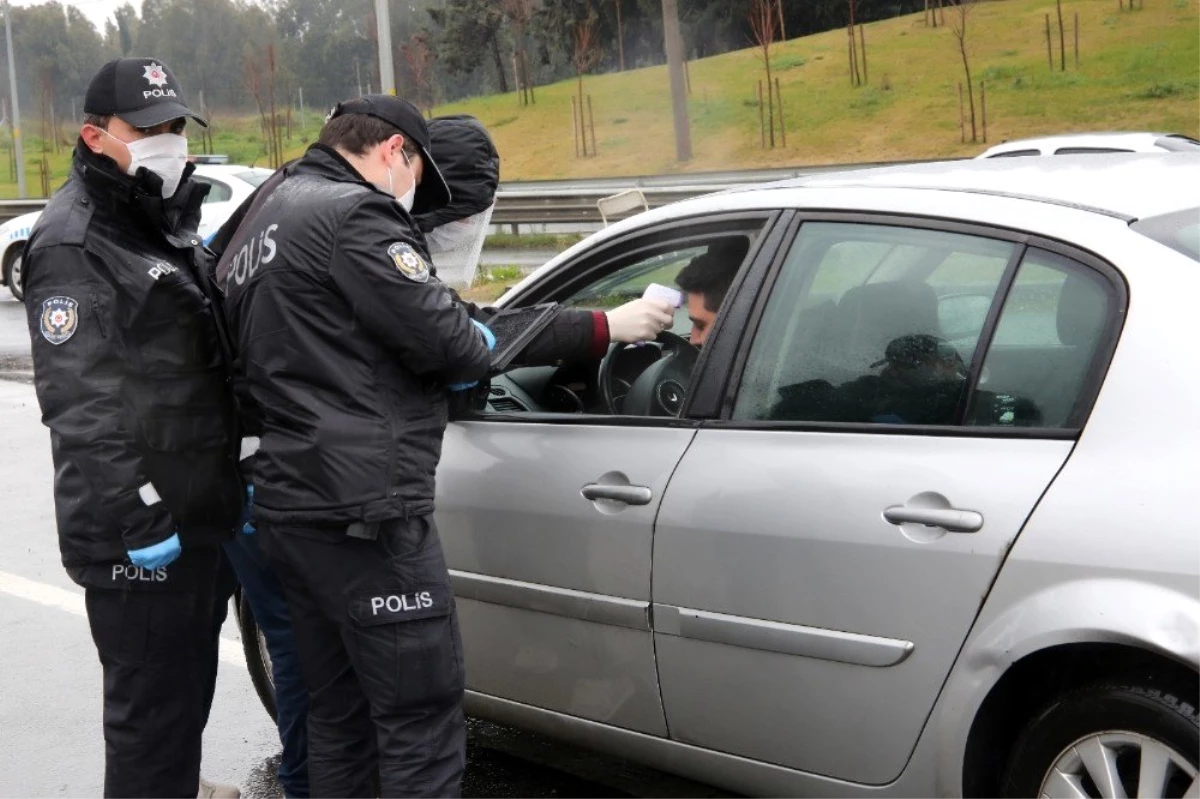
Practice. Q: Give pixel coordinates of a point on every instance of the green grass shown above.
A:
(531, 241)
(1138, 71)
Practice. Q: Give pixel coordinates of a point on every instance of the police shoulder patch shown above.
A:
(60, 319)
(409, 262)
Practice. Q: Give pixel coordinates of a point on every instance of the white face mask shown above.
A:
(164, 154)
(407, 199)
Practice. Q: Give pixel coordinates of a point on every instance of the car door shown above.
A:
(546, 507)
(825, 544)
(217, 206)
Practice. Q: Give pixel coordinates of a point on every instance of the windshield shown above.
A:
(1180, 231)
(255, 177)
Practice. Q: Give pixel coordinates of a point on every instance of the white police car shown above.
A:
(230, 185)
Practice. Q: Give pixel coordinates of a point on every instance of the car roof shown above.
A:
(1127, 185)
(1137, 141)
(227, 170)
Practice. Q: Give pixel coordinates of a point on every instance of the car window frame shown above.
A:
(725, 382)
(214, 183)
(573, 275)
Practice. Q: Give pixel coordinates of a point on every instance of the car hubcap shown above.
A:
(265, 655)
(1120, 764)
(16, 271)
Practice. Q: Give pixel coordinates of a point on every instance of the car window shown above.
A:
(1089, 150)
(255, 177)
(872, 324)
(1053, 321)
(663, 266)
(1179, 230)
(1177, 144)
(630, 383)
(219, 193)
(1015, 153)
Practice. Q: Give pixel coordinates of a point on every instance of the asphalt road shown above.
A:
(50, 700)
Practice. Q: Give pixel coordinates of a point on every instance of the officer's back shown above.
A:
(345, 343)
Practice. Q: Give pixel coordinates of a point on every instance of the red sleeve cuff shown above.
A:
(599, 334)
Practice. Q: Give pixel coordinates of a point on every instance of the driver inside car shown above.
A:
(706, 281)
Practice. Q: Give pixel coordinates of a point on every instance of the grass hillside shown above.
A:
(1138, 70)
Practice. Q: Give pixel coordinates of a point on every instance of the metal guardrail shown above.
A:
(574, 201)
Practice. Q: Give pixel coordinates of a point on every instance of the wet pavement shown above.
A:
(50, 701)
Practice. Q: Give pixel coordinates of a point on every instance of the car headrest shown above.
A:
(873, 315)
(1082, 308)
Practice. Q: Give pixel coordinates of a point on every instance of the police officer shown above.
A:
(130, 378)
(346, 345)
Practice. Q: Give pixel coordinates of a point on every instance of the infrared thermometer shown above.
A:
(657, 291)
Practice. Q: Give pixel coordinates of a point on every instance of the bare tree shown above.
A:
(620, 36)
(519, 14)
(855, 78)
(782, 27)
(1062, 38)
(958, 26)
(419, 57)
(586, 55)
(762, 24)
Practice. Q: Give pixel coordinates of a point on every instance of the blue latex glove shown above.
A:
(158, 555)
(246, 522)
(489, 338)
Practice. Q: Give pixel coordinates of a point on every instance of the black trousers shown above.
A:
(154, 632)
(379, 648)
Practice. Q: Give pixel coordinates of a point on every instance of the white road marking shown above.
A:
(72, 602)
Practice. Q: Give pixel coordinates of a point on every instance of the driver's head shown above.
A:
(706, 281)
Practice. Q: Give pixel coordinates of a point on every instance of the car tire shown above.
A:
(1086, 740)
(258, 660)
(13, 271)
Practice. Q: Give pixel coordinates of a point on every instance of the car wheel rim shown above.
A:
(1120, 764)
(265, 656)
(16, 271)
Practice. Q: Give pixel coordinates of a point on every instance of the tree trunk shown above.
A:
(582, 120)
(1062, 39)
(525, 72)
(499, 64)
(673, 42)
(620, 37)
(970, 88)
(770, 95)
(782, 29)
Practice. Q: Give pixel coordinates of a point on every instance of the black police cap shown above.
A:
(141, 91)
(404, 116)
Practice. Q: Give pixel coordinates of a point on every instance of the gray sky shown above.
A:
(98, 11)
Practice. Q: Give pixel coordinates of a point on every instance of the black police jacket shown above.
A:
(345, 344)
(128, 366)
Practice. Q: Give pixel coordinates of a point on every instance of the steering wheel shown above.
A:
(661, 388)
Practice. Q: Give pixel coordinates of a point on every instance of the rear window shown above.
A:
(1015, 153)
(1089, 150)
(1178, 144)
(255, 177)
(1180, 231)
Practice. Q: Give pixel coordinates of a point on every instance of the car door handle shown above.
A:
(952, 519)
(630, 495)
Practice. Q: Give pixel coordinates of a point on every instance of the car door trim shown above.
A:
(786, 639)
(631, 614)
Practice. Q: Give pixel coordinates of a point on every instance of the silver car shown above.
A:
(917, 518)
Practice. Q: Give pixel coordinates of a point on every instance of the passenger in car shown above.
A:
(706, 280)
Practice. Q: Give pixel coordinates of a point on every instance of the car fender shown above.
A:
(1117, 610)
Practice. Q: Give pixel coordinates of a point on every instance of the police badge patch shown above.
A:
(409, 262)
(60, 319)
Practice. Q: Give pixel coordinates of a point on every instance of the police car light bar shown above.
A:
(209, 159)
